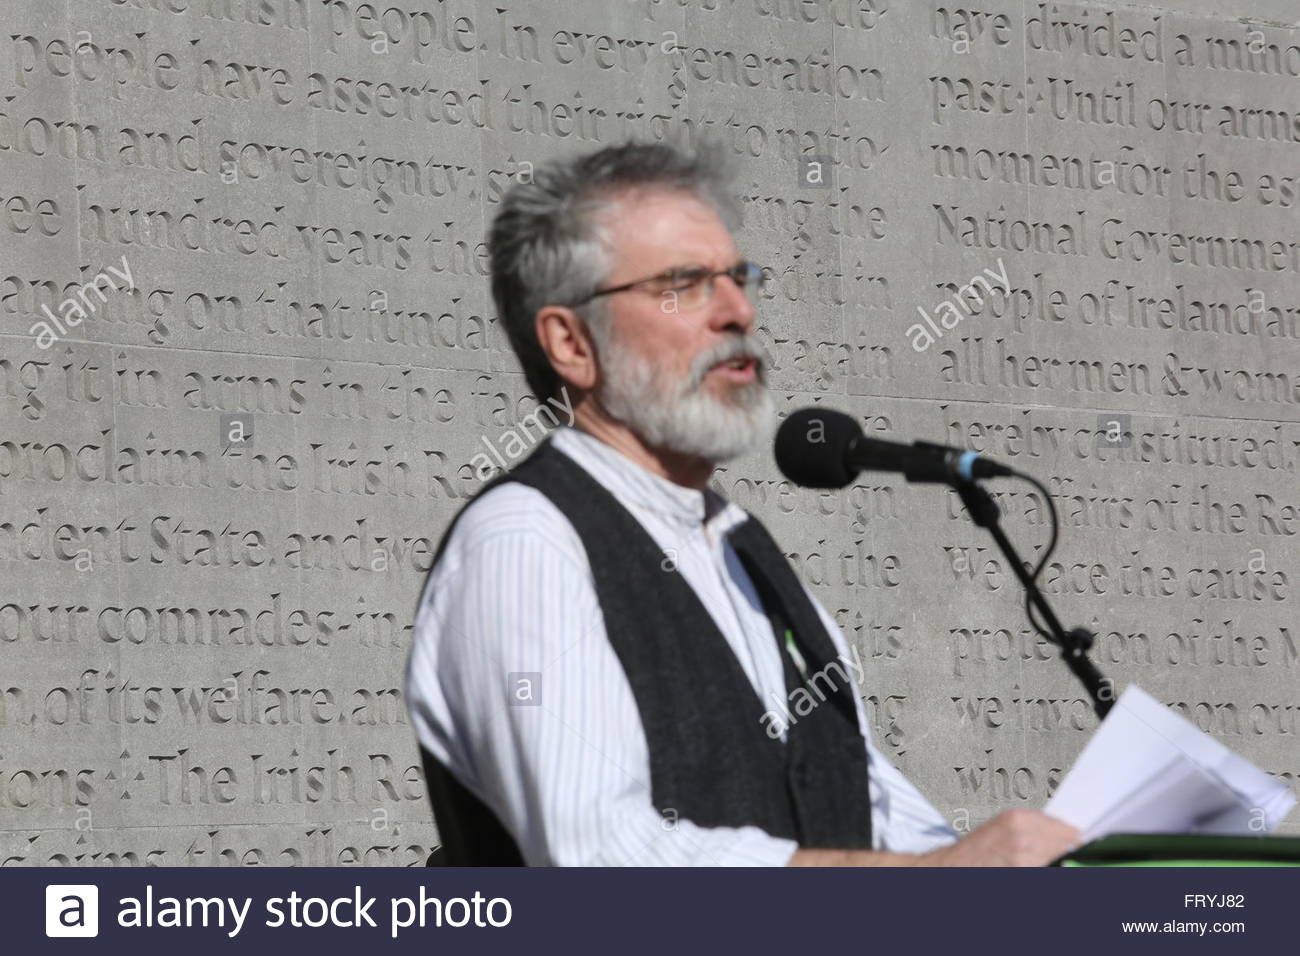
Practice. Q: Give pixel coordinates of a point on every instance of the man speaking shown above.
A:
(600, 629)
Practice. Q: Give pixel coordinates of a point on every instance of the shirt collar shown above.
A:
(633, 484)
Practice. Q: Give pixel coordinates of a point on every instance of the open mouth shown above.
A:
(740, 370)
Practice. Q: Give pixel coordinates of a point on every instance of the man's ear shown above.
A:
(567, 343)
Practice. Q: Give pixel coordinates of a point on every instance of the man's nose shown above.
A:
(731, 306)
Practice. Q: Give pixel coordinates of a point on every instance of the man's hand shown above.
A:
(1012, 838)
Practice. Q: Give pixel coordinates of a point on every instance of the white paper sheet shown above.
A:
(1148, 770)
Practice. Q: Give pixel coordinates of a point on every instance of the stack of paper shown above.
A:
(1148, 770)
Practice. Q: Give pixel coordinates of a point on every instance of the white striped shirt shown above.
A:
(510, 612)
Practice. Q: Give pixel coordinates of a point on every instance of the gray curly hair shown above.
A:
(548, 245)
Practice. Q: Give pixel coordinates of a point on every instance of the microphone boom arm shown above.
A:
(1074, 644)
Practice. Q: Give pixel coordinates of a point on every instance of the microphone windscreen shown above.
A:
(812, 447)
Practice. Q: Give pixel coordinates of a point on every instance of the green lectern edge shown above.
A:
(1179, 849)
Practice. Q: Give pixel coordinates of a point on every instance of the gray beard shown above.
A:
(681, 416)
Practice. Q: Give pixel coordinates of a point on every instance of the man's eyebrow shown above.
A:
(672, 272)
(698, 267)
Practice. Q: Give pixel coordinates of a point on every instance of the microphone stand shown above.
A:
(1074, 644)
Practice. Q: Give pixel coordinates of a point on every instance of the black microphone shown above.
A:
(823, 448)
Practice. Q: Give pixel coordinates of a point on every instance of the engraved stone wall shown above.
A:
(248, 358)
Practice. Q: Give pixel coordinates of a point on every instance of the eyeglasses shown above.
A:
(692, 288)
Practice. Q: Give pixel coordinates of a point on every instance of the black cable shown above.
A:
(1047, 555)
